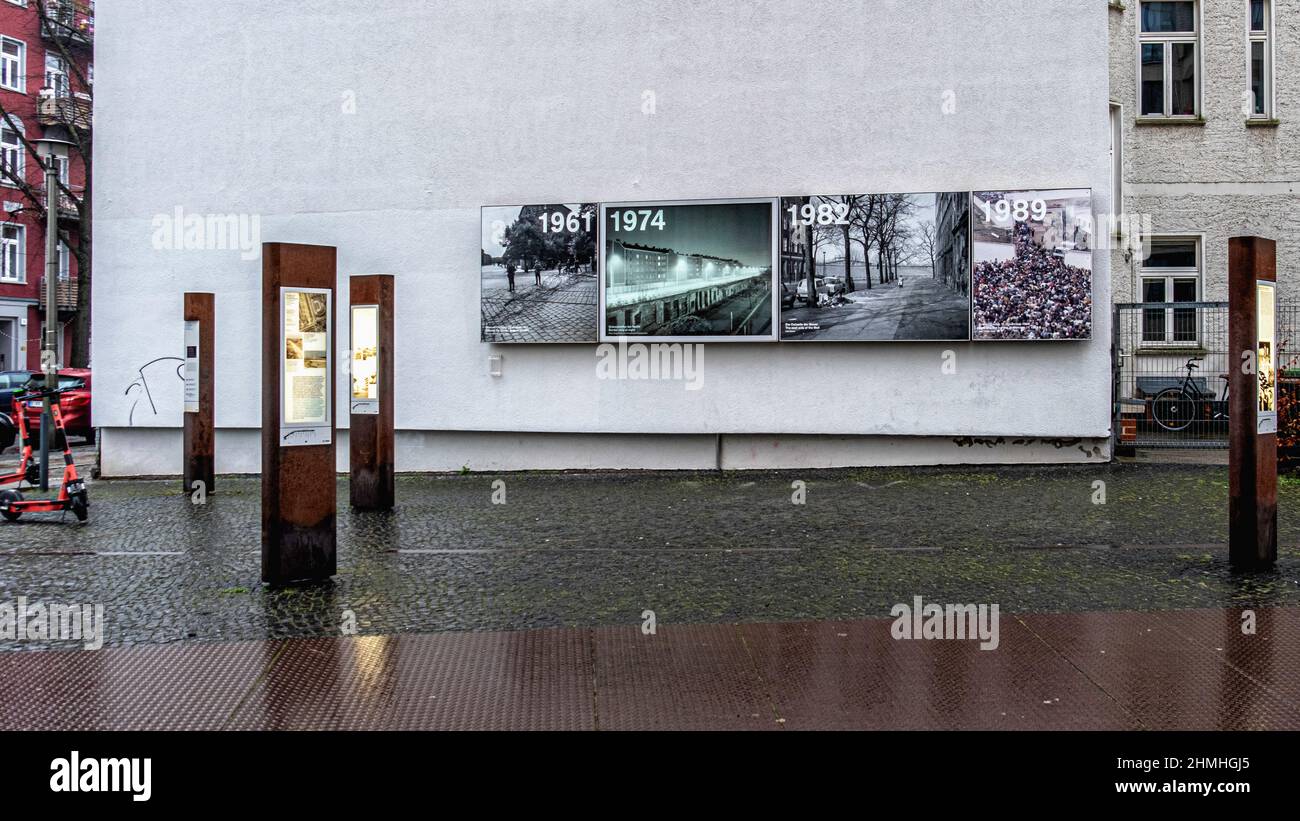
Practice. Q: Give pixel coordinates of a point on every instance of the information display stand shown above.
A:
(370, 397)
(199, 468)
(298, 460)
(1252, 408)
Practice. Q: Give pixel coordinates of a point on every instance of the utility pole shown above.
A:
(50, 151)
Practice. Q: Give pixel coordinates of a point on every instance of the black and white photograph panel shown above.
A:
(1032, 277)
(875, 267)
(538, 273)
(690, 271)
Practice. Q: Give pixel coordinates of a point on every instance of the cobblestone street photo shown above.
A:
(561, 309)
(537, 280)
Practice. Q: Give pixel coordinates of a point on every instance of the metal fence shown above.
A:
(1162, 403)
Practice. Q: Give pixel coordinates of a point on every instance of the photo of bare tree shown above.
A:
(875, 267)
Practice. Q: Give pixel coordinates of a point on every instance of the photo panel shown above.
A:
(689, 271)
(537, 274)
(1032, 272)
(875, 267)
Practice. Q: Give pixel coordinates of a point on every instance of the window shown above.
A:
(12, 254)
(1261, 59)
(56, 74)
(61, 164)
(1168, 84)
(11, 156)
(1171, 273)
(65, 262)
(12, 57)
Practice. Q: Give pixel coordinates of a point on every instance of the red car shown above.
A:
(74, 404)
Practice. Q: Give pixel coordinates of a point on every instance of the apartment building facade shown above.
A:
(1205, 140)
(46, 77)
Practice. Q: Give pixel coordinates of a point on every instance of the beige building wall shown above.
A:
(1218, 175)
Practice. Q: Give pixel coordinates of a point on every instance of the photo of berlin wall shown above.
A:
(689, 271)
(1032, 277)
(538, 273)
(875, 267)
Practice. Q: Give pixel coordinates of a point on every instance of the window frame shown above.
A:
(1167, 40)
(1169, 275)
(21, 86)
(61, 90)
(20, 153)
(1266, 38)
(20, 253)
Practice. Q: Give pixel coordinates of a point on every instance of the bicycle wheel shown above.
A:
(1173, 409)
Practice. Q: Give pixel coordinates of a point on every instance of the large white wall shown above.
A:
(247, 107)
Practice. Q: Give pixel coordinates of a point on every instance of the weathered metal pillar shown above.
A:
(199, 448)
(1252, 409)
(299, 489)
(370, 404)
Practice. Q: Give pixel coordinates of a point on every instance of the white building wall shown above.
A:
(381, 128)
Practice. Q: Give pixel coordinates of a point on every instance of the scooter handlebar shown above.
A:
(40, 394)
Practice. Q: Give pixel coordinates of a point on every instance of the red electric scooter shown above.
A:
(28, 469)
(72, 493)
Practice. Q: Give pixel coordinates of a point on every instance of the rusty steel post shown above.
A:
(370, 422)
(200, 433)
(1252, 465)
(299, 488)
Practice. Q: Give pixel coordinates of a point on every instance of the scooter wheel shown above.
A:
(33, 474)
(79, 506)
(7, 497)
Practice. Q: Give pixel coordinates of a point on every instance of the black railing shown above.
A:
(1158, 401)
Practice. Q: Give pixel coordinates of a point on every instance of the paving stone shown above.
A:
(593, 550)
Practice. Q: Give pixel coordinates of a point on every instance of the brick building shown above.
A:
(46, 74)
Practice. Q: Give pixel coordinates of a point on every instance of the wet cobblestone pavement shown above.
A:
(597, 550)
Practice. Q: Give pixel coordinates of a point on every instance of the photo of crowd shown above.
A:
(1032, 275)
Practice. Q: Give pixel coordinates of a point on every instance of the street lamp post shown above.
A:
(50, 150)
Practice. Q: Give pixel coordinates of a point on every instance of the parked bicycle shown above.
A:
(1175, 409)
